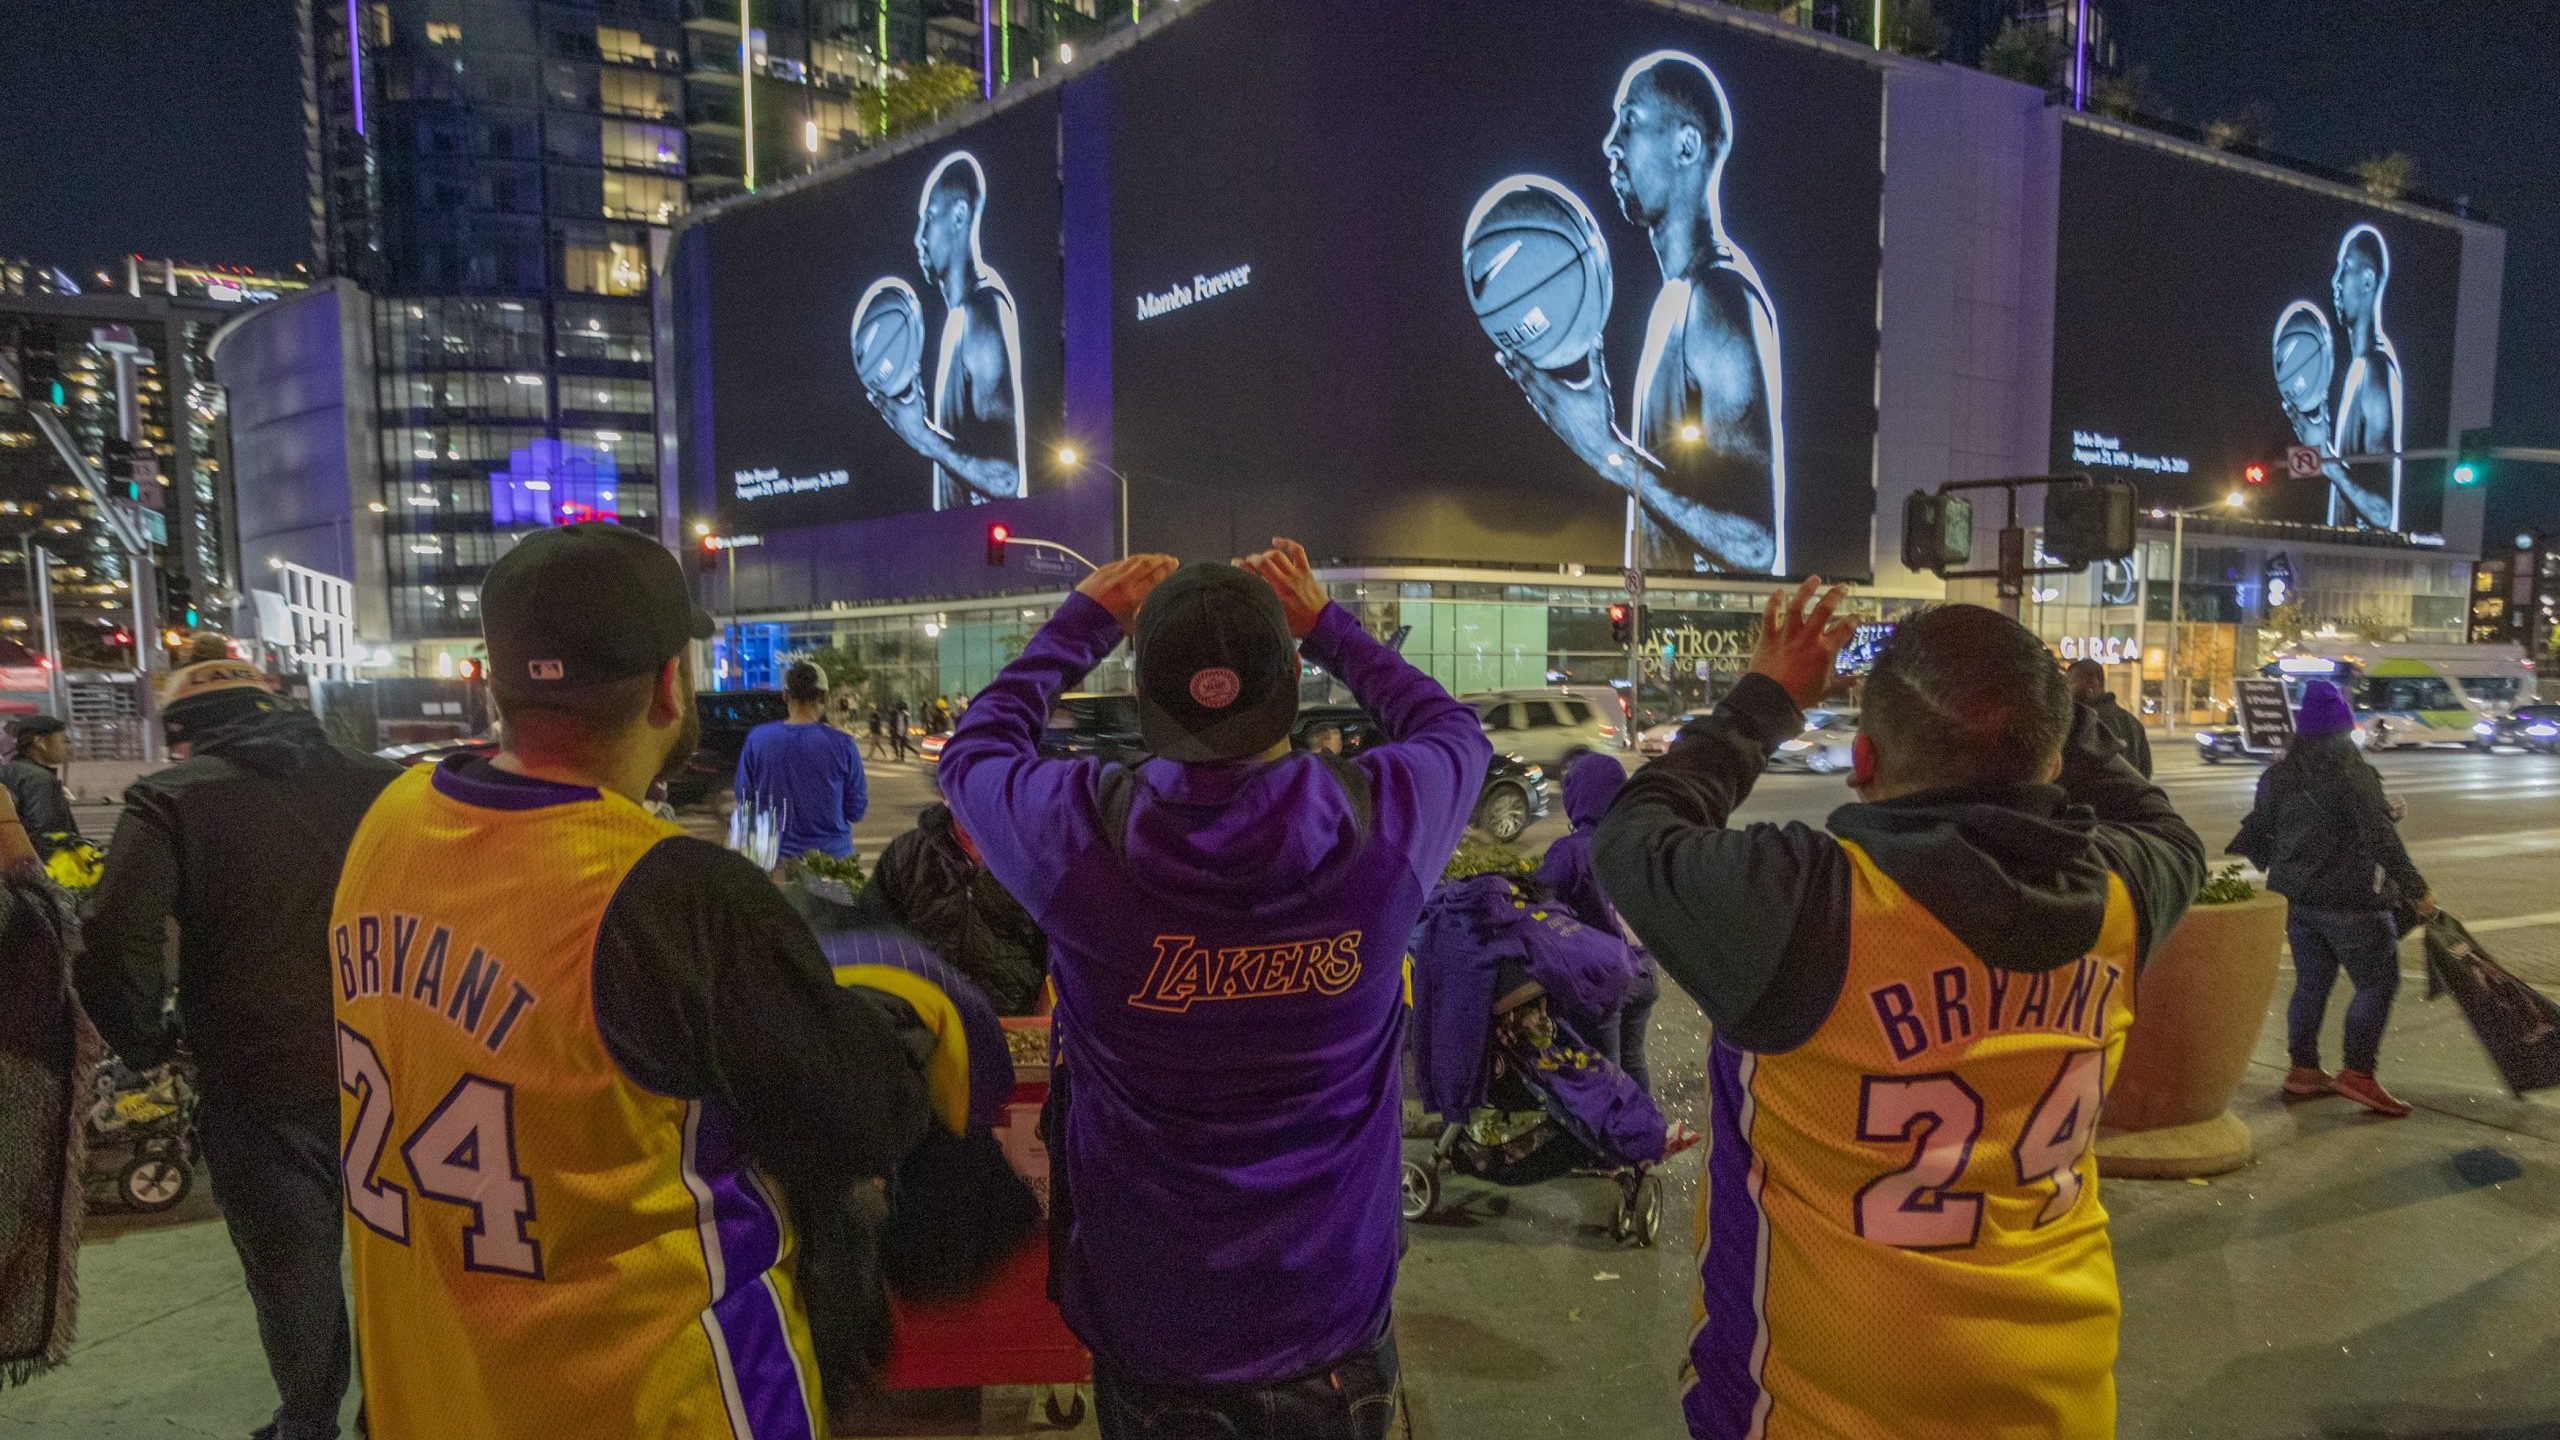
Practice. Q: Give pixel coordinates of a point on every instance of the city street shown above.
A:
(2361, 1278)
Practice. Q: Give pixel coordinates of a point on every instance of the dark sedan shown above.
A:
(2527, 727)
(1514, 795)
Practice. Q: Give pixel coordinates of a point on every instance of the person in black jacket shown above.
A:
(2089, 687)
(930, 883)
(1947, 972)
(34, 779)
(240, 844)
(2323, 832)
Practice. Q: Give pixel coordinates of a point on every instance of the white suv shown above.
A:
(1550, 728)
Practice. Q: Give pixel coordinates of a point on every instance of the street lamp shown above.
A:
(2236, 500)
(1070, 458)
(1690, 433)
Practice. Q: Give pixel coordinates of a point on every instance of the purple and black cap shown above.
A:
(1217, 671)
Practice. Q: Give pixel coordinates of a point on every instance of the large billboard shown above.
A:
(1433, 283)
(888, 342)
(2208, 317)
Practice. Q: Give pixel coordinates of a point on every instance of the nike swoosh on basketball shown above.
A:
(1495, 268)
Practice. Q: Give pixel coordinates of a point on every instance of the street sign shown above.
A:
(2266, 721)
(2302, 462)
(1635, 581)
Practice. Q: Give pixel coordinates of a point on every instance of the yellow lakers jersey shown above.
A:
(541, 1247)
(1899, 1233)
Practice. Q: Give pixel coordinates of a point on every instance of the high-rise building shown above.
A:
(123, 355)
(499, 176)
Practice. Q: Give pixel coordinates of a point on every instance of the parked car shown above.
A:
(436, 752)
(1657, 740)
(1094, 723)
(1549, 728)
(727, 716)
(1515, 793)
(1824, 746)
(2527, 727)
(2217, 743)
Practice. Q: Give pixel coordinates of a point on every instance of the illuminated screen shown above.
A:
(1417, 289)
(2208, 318)
(887, 342)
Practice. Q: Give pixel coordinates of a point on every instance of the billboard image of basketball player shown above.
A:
(2367, 415)
(1703, 454)
(973, 433)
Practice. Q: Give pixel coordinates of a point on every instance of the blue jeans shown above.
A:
(1621, 1036)
(1352, 1399)
(2364, 943)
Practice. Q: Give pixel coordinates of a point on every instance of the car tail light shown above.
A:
(1609, 730)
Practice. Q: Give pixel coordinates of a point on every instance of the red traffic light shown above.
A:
(1621, 624)
(469, 669)
(120, 639)
(996, 536)
(2254, 474)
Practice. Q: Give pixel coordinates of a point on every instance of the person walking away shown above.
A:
(805, 769)
(1589, 785)
(932, 883)
(1916, 1017)
(33, 778)
(2322, 831)
(239, 843)
(1226, 925)
(581, 1050)
(872, 750)
(897, 729)
(2089, 687)
(48, 1056)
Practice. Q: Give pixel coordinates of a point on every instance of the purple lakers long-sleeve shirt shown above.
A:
(1230, 1005)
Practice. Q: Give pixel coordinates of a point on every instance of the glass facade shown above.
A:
(498, 174)
(1469, 636)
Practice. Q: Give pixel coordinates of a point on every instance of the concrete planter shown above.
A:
(2196, 1016)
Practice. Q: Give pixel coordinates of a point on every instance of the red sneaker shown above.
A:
(2362, 1088)
(1678, 1138)
(2309, 1080)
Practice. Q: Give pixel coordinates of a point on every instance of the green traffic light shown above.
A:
(2466, 473)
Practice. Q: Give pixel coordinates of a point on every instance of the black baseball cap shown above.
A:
(583, 604)
(28, 727)
(1217, 671)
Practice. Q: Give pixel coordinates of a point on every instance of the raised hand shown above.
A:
(1285, 569)
(1800, 642)
(1123, 585)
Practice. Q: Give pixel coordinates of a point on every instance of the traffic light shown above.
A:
(468, 669)
(707, 558)
(1937, 532)
(996, 536)
(178, 595)
(2254, 473)
(120, 472)
(1622, 625)
(2084, 524)
(119, 640)
(40, 362)
(2472, 465)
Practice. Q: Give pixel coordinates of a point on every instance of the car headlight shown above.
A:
(2484, 728)
(1795, 747)
(2542, 732)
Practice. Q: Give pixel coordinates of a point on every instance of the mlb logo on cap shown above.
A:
(546, 669)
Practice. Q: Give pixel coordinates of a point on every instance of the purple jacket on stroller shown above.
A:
(1481, 943)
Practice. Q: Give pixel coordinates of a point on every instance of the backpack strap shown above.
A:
(1117, 794)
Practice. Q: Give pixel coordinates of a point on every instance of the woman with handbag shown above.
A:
(2324, 834)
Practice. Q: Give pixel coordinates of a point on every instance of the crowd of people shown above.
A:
(618, 1141)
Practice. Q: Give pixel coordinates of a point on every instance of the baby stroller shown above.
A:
(141, 1136)
(1499, 982)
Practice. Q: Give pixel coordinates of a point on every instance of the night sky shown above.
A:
(173, 127)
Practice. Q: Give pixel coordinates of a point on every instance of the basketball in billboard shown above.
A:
(2303, 358)
(888, 337)
(1537, 271)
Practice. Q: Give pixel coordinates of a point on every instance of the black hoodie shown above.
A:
(241, 844)
(1753, 922)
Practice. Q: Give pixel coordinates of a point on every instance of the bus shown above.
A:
(2408, 694)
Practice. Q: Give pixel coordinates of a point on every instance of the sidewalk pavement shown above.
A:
(2363, 1278)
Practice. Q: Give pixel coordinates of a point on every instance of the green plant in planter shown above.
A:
(2227, 886)
(1480, 856)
